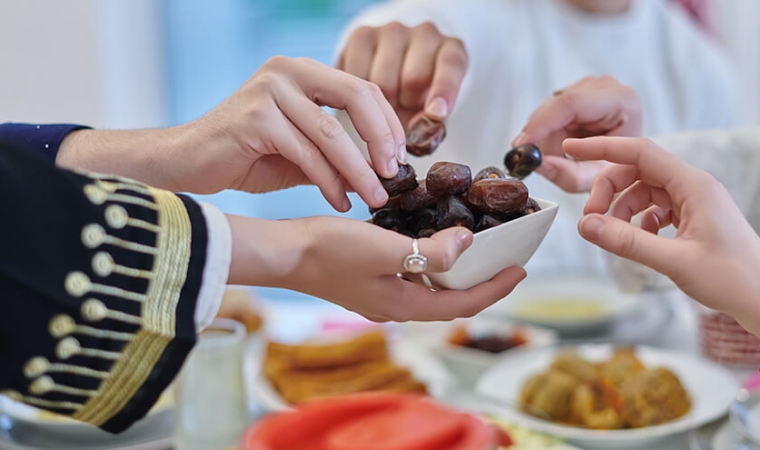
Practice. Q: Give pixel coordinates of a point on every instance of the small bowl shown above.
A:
(468, 364)
(493, 250)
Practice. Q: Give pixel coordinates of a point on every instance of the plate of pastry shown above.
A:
(601, 396)
(280, 376)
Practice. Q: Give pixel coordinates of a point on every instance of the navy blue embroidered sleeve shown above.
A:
(45, 139)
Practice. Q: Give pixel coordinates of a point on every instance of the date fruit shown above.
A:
(417, 198)
(489, 172)
(486, 222)
(388, 218)
(421, 219)
(522, 160)
(424, 135)
(500, 197)
(447, 178)
(451, 212)
(405, 180)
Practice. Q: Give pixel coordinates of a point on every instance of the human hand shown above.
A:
(715, 256)
(272, 133)
(594, 106)
(416, 68)
(354, 264)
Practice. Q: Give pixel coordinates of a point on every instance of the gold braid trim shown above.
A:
(140, 355)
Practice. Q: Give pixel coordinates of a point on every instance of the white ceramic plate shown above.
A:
(67, 428)
(728, 438)
(570, 305)
(712, 388)
(423, 365)
(493, 250)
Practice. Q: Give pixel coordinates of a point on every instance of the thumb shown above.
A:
(445, 247)
(628, 241)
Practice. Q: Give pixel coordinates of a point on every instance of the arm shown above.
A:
(270, 134)
(45, 139)
(99, 277)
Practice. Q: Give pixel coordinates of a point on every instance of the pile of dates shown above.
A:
(450, 196)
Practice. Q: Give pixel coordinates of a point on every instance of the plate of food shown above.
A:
(601, 396)
(281, 376)
(570, 305)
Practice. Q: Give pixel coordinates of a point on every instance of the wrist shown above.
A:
(266, 253)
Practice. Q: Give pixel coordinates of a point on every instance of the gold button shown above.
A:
(36, 367)
(13, 395)
(67, 348)
(61, 325)
(96, 195)
(77, 284)
(102, 264)
(116, 216)
(42, 385)
(93, 235)
(94, 310)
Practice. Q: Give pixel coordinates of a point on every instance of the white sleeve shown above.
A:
(216, 271)
(733, 158)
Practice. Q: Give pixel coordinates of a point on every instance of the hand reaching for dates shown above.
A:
(450, 196)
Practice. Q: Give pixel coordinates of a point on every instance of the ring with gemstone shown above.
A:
(415, 263)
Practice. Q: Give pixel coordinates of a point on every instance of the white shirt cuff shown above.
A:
(216, 271)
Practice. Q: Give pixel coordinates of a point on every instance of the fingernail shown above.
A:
(520, 139)
(402, 154)
(592, 227)
(438, 108)
(392, 167)
(464, 238)
(381, 196)
(346, 204)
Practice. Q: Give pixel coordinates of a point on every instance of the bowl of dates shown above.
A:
(507, 223)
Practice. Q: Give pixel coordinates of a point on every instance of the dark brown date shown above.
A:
(405, 180)
(417, 198)
(451, 212)
(424, 135)
(390, 219)
(489, 172)
(447, 178)
(392, 203)
(531, 206)
(486, 222)
(421, 219)
(501, 197)
(522, 160)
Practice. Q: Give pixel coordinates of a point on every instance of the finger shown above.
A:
(627, 241)
(293, 145)
(419, 65)
(394, 123)
(607, 184)
(638, 197)
(571, 176)
(389, 58)
(333, 141)
(361, 100)
(655, 218)
(424, 305)
(656, 165)
(450, 70)
(359, 52)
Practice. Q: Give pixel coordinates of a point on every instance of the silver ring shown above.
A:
(415, 263)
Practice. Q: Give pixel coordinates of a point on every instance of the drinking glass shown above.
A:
(211, 409)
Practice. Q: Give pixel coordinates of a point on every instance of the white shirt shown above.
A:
(520, 51)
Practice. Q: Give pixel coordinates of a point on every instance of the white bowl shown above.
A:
(468, 364)
(568, 304)
(493, 250)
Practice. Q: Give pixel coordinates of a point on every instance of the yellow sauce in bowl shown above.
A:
(562, 309)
